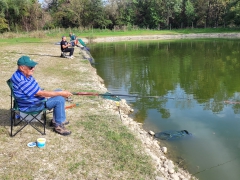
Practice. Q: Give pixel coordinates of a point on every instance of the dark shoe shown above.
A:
(53, 124)
(62, 130)
(65, 123)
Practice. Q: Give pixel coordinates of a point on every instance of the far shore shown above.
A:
(165, 37)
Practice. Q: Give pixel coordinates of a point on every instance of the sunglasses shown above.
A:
(30, 68)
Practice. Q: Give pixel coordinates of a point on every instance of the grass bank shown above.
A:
(101, 33)
(97, 33)
(100, 146)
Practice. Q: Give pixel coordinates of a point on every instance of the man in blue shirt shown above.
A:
(31, 97)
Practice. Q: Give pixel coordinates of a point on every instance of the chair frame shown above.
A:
(17, 117)
(63, 54)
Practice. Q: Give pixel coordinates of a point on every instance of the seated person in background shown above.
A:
(73, 39)
(31, 97)
(65, 47)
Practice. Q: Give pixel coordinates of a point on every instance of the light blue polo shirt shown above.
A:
(24, 90)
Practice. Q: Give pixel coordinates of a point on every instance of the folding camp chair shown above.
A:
(25, 118)
(63, 55)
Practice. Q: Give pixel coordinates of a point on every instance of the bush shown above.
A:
(3, 25)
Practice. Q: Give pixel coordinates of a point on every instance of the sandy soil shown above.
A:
(162, 37)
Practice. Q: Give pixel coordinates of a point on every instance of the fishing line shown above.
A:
(115, 97)
(215, 166)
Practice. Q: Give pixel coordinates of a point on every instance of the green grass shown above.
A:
(24, 40)
(115, 139)
(209, 30)
(42, 36)
(108, 33)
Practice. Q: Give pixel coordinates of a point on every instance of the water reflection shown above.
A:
(197, 81)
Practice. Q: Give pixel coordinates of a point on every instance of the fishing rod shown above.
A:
(127, 95)
(98, 94)
(71, 106)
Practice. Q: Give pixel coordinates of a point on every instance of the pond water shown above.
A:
(197, 84)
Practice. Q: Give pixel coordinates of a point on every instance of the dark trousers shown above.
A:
(71, 50)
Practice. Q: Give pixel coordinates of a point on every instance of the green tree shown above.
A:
(97, 15)
(22, 13)
(3, 22)
(232, 15)
(190, 12)
(171, 10)
(3, 25)
(149, 14)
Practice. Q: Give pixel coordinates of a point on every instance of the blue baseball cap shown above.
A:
(26, 61)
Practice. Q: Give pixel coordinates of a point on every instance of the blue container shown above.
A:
(41, 142)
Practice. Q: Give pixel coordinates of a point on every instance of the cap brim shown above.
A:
(32, 64)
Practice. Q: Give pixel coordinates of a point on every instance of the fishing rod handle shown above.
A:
(85, 93)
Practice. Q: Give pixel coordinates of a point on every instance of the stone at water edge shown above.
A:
(151, 133)
(171, 171)
(160, 178)
(164, 149)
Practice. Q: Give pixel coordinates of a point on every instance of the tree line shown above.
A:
(28, 15)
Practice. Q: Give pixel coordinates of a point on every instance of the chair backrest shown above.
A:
(10, 84)
(81, 42)
(13, 98)
(14, 103)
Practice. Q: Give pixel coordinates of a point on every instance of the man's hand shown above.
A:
(65, 93)
(53, 93)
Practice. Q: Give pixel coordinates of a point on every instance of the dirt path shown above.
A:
(162, 37)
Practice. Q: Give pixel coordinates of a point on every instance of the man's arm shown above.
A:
(64, 46)
(53, 93)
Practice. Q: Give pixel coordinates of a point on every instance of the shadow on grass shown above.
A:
(38, 54)
(5, 122)
(5, 117)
